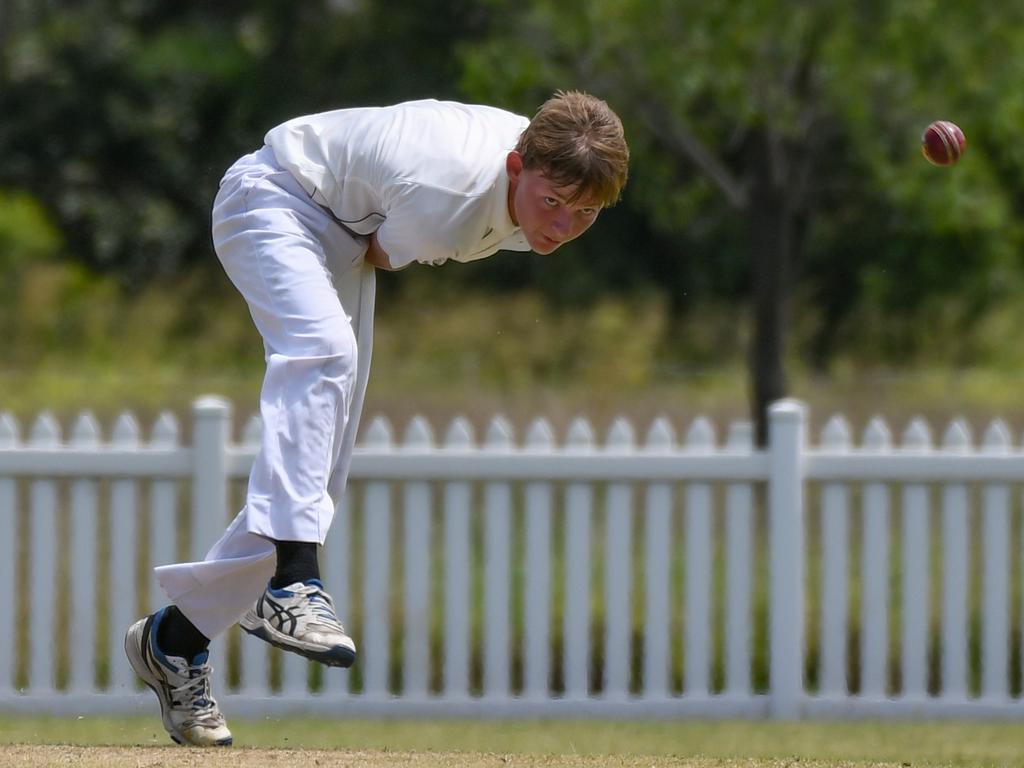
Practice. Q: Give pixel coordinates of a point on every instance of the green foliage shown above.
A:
(526, 344)
(839, 95)
(129, 112)
(121, 115)
(26, 232)
(35, 288)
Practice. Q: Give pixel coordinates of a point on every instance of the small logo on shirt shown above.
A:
(488, 233)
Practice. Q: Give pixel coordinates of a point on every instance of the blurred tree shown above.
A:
(121, 115)
(788, 132)
(775, 144)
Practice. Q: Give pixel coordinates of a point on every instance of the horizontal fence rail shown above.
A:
(638, 575)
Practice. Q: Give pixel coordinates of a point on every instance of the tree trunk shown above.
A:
(770, 222)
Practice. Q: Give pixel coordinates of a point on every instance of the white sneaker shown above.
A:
(300, 618)
(188, 709)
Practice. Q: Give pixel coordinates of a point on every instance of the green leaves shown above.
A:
(121, 115)
(833, 97)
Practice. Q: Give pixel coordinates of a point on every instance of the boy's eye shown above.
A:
(551, 201)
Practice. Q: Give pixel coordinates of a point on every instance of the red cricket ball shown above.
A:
(943, 143)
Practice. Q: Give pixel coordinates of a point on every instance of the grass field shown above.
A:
(112, 743)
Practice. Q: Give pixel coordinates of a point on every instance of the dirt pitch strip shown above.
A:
(35, 756)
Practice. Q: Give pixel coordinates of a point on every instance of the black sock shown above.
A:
(296, 561)
(177, 636)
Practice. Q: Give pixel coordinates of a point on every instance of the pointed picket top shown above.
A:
(661, 437)
(580, 436)
(86, 430)
(701, 436)
(997, 438)
(621, 436)
(540, 437)
(418, 435)
(740, 438)
(957, 438)
(836, 436)
(10, 430)
(877, 436)
(459, 434)
(252, 434)
(917, 436)
(45, 430)
(379, 434)
(499, 435)
(126, 430)
(165, 431)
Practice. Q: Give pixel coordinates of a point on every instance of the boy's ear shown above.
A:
(514, 165)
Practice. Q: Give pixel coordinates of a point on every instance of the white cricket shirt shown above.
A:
(427, 176)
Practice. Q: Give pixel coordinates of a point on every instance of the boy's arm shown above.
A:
(377, 256)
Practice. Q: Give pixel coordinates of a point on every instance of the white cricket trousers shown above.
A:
(311, 295)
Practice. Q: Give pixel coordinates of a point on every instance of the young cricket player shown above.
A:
(300, 227)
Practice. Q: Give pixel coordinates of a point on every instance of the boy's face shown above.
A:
(540, 208)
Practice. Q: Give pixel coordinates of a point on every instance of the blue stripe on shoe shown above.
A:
(284, 592)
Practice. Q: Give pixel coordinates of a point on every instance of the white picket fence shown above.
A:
(621, 578)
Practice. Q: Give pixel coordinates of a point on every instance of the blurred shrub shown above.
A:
(514, 342)
(26, 232)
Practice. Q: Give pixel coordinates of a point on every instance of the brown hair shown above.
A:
(575, 139)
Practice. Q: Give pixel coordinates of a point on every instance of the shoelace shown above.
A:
(196, 695)
(323, 609)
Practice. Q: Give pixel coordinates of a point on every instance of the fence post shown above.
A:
(211, 427)
(787, 426)
(9, 438)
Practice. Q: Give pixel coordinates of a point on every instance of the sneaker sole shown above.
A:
(133, 650)
(335, 656)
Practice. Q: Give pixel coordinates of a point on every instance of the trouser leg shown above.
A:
(289, 261)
